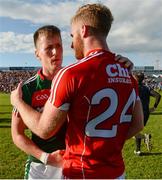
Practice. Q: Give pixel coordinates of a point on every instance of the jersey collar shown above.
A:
(40, 74)
(95, 51)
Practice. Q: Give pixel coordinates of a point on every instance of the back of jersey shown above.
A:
(99, 117)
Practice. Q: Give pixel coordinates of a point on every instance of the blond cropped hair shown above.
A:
(97, 16)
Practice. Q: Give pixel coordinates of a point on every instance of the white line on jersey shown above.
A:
(31, 79)
(62, 71)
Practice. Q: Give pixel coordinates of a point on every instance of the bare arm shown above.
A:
(157, 97)
(44, 124)
(28, 146)
(21, 140)
(137, 121)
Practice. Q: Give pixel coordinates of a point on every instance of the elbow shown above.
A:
(14, 139)
(45, 134)
(17, 139)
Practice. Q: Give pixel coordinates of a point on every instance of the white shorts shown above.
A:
(40, 171)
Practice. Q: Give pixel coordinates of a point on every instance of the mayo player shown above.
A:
(36, 91)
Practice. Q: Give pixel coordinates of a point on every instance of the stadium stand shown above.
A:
(10, 77)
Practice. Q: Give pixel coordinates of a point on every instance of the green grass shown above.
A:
(12, 160)
(5, 110)
(148, 166)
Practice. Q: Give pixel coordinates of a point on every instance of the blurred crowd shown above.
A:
(153, 83)
(10, 79)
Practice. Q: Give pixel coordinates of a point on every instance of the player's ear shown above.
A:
(84, 31)
(37, 53)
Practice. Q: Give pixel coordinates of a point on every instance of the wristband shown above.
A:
(44, 157)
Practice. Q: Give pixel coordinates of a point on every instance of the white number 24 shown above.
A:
(90, 129)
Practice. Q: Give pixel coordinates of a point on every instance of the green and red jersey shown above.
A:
(36, 91)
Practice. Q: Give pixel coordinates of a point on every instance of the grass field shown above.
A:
(147, 166)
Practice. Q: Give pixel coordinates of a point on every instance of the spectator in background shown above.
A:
(145, 92)
(160, 86)
(10, 79)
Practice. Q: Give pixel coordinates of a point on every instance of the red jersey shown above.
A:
(99, 95)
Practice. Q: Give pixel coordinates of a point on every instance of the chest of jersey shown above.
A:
(40, 97)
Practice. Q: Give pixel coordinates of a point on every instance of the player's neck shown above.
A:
(49, 75)
(95, 44)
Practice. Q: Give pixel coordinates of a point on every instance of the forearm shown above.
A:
(30, 116)
(20, 139)
(157, 101)
(44, 125)
(157, 97)
(27, 145)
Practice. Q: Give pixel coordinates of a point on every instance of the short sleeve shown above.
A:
(62, 90)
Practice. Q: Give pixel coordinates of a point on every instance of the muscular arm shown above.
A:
(21, 140)
(137, 121)
(44, 124)
(28, 146)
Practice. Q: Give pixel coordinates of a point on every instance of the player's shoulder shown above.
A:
(133, 79)
(66, 71)
(30, 82)
(78, 67)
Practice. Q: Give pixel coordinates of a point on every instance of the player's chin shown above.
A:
(56, 65)
(56, 61)
(79, 56)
